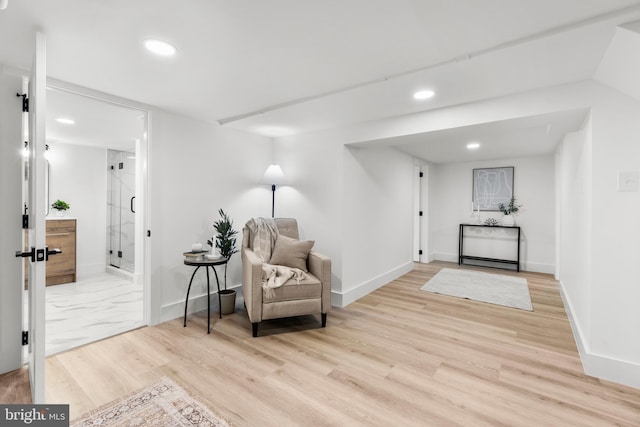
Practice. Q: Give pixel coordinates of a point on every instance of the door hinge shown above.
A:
(25, 102)
(25, 337)
(120, 165)
(421, 174)
(420, 252)
(420, 213)
(25, 217)
(119, 254)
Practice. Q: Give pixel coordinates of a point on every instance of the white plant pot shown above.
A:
(508, 221)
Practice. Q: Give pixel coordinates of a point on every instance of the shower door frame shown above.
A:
(120, 254)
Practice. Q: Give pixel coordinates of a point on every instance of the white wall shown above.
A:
(378, 219)
(314, 168)
(11, 284)
(450, 201)
(599, 260)
(197, 168)
(574, 160)
(78, 175)
(615, 231)
(345, 199)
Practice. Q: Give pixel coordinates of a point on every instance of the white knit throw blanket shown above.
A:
(274, 276)
(265, 233)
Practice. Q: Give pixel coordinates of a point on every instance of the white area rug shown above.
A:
(474, 285)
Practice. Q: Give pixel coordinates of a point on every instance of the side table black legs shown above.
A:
(208, 302)
(219, 297)
(187, 300)
(206, 265)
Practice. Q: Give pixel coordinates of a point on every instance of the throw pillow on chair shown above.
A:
(291, 252)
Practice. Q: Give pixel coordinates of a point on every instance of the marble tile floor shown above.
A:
(90, 310)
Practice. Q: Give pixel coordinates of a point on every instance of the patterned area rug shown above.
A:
(498, 289)
(162, 404)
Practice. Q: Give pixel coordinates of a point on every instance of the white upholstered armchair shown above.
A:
(310, 294)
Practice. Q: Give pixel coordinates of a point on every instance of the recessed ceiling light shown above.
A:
(159, 47)
(424, 94)
(65, 121)
(473, 146)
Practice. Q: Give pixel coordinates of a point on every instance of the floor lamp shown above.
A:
(273, 176)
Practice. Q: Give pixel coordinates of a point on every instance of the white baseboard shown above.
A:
(534, 267)
(439, 256)
(597, 365)
(119, 272)
(197, 303)
(342, 299)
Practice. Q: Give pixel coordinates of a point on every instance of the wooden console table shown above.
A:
(462, 257)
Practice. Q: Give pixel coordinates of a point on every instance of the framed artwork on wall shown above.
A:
(492, 186)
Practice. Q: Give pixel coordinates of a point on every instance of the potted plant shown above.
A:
(225, 242)
(60, 206)
(508, 210)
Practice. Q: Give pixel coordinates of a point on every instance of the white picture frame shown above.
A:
(492, 186)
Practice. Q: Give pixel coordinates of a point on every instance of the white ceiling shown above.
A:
(286, 66)
(97, 123)
(528, 136)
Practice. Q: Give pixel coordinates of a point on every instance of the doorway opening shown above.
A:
(105, 296)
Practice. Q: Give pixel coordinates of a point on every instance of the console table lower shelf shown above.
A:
(462, 257)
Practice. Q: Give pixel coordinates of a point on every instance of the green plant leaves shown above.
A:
(225, 239)
(60, 205)
(511, 208)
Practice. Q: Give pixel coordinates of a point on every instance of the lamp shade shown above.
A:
(273, 176)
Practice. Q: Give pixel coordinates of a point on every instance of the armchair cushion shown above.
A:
(308, 288)
(291, 252)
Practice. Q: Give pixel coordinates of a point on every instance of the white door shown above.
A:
(11, 236)
(418, 213)
(36, 210)
(420, 206)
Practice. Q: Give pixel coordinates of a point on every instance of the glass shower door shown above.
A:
(121, 209)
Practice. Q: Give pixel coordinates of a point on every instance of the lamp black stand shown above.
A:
(273, 200)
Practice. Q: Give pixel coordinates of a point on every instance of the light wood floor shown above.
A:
(397, 357)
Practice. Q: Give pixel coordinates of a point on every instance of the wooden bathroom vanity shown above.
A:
(61, 268)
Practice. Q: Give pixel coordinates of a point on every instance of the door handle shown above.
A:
(132, 210)
(31, 254)
(38, 254)
(54, 251)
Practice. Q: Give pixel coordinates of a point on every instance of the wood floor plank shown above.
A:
(15, 387)
(398, 356)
